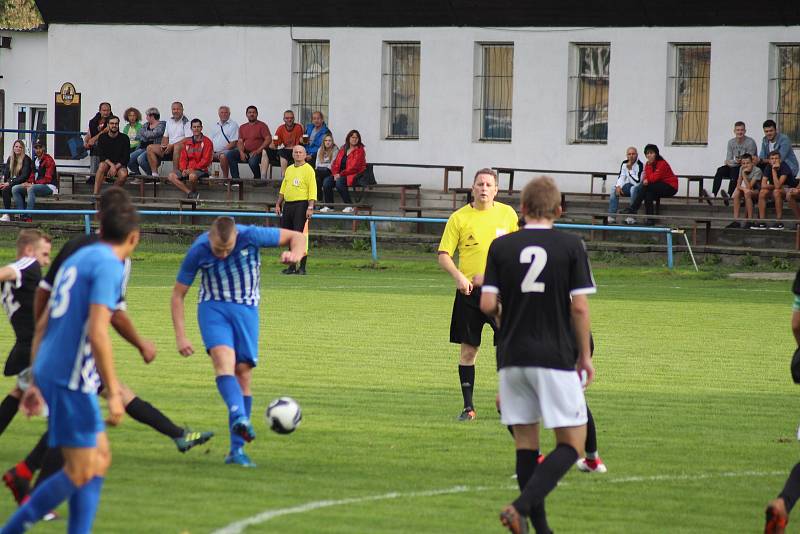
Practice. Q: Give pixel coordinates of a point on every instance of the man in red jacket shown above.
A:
(196, 156)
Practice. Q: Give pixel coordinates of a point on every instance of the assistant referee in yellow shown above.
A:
(296, 201)
(469, 231)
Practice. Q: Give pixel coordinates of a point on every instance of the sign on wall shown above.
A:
(68, 119)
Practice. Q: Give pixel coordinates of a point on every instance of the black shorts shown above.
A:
(285, 153)
(294, 215)
(19, 359)
(466, 323)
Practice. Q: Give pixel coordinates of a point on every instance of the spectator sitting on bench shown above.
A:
(287, 136)
(224, 135)
(97, 125)
(737, 146)
(113, 152)
(177, 129)
(747, 186)
(133, 123)
(315, 134)
(351, 160)
(296, 199)
(629, 181)
(41, 182)
(253, 139)
(777, 180)
(325, 157)
(195, 158)
(658, 182)
(150, 133)
(18, 168)
(776, 141)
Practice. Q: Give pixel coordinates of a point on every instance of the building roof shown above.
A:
(384, 13)
(20, 15)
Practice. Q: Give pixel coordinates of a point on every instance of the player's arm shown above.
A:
(40, 300)
(446, 262)
(579, 310)
(32, 401)
(122, 323)
(296, 242)
(100, 340)
(178, 321)
(796, 326)
(8, 273)
(490, 305)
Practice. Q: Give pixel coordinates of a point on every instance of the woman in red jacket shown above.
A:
(349, 163)
(658, 182)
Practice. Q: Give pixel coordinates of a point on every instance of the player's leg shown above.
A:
(18, 478)
(287, 223)
(244, 322)
(84, 502)
(466, 375)
(592, 462)
(9, 407)
(778, 509)
(466, 325)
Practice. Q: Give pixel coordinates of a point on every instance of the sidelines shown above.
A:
(267, 515)
(372, 219)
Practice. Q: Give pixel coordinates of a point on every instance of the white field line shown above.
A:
(267, 515)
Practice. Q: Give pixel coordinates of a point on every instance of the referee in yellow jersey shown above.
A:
(469, 231)
(296, 200)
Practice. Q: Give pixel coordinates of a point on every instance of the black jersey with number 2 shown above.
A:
(535, 272)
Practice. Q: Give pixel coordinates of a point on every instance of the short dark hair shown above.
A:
(38, 144)
(485, 170)
(223, 227)
(541, 198)
(103, 104)
(774, 153)
(196, 121)
(769, 123)
(739, 123)
(347, 139)
(30, 236)
(112, 117)
(746, 155)
(111, 197)
(117, 222)
(289, 111)
(251, 107)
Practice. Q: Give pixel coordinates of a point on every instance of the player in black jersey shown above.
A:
(19, 281)
(543, 277)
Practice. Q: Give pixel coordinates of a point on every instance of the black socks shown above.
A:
(147, 414)
(34, 458)
(591, 434)
(545, 477)
(8, 409)
(527, 461)
(791, 491)
(466, 373)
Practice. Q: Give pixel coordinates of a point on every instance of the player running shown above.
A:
(543, 277)
(229, 258)
(72, 349)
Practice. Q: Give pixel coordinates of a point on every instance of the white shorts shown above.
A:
(529, 395)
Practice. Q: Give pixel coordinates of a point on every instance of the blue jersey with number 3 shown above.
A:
(93, 275)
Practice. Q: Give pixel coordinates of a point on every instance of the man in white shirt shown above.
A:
(224, 134)
(178, 129)
(629, 180)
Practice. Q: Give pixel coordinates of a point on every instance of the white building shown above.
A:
(536, 96)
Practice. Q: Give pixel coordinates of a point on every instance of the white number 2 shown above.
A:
(537, 257)
(60, 299)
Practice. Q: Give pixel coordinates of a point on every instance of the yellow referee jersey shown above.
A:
(470, 232)
(299, 183)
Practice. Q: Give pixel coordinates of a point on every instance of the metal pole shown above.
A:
(669, 250)
(87, 224)
(373, 239)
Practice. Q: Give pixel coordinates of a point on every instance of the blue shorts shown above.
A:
(232, 325)
(74, 419)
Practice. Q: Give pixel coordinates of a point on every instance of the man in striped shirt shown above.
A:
(228, 256)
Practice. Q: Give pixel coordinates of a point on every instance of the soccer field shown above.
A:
(695, 409)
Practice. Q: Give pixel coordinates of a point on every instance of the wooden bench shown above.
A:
(510, 171)
(446, 169)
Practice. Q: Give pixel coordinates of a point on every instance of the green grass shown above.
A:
(695, 409)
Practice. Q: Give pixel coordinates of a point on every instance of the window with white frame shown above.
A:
(311, 69)
(400, 86)
(589, 81)
(784, 106)
(688, 92)
(493, 91)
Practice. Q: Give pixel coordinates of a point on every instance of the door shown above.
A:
(32, 117)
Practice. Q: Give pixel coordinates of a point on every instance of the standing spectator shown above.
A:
(777, 178)
(286, 136)
(42, 181)
(658, 182)
(747, 187)
(18, 168)
(150, 133)
(97, 125)
(133, 118)
(737, 146)
(629, 180)
(254, 137)
(325, 157)
(351, 160)
(177, 129)
(195, 158)
(113, 152)
(224, 135)
(296, 201)
(315, 135)
(776, 141)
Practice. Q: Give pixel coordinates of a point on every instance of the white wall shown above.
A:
(205, 67)
(23, 68)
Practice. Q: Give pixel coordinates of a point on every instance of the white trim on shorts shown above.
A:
(531, 395)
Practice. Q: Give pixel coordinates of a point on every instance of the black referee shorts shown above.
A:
(294, 215)
(466, 323)
(18, 359)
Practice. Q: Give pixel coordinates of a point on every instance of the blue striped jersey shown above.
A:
(236, 278)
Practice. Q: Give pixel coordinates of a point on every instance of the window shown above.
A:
(32, 118)
(401, 90)
(589, 92)
(310, 80)
(689, 81)
(785, 90)
(494, 81)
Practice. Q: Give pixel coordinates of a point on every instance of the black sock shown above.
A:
(8, 409)
(791, 491)
(51, 464)
(147, 414)
(34, 458)
(591, 433)
(303, 262)
(527, 460)
(545, 478)
(466, 373)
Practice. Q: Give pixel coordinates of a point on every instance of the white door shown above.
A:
(32, 117)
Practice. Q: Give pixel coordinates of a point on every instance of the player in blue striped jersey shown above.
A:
(228, 257)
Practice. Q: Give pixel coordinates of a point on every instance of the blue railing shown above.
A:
(43, 132)
(371, 219)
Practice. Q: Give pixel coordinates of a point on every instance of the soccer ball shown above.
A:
(284, 415)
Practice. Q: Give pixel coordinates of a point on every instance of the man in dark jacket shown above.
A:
(113, 151)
